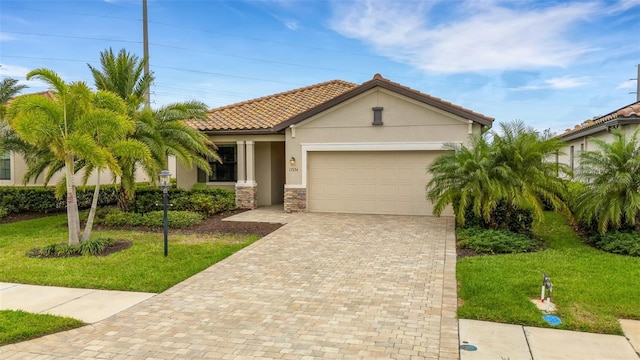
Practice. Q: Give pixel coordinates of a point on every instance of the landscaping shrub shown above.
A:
(488, 241)
(40, 199)
(177, 219)
(94, 246)
(119, 218)
(619, 242)
(204, 201)
(3, 212)
(90, 247)
(515, 220)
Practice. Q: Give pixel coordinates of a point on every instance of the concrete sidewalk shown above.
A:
(515, 342)
(87, 305)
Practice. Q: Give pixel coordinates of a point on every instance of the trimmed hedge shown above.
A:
(43, 200)
(177, 219)
(204, 201)
(15, 200)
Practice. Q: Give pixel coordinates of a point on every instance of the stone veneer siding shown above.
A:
(295, 200)
(247, 196)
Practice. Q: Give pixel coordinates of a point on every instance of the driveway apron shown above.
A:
(333, 286)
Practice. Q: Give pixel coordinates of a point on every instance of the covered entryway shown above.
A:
(370, 182)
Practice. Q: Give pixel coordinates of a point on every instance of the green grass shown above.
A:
(139, 268)
(591, 288)
(142, 267)
(18, 326)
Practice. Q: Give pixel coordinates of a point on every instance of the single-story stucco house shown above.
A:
(627, 119)
(333, 147)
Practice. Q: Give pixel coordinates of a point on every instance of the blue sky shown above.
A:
(552, 64)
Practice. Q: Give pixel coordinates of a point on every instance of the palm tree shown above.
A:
(66, 125)
(9, 88)
(612, 174)
(509, 170)
(527, 172)
(163, 130)
(461, 177)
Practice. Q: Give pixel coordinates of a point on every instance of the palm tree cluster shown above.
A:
(513, 171)
(611, 198)
(77, 128)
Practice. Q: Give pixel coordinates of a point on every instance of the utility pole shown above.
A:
(637, 79)
(638, 84)
(145, 40)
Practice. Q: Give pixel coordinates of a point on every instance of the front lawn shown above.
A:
(591, 288)
(18, 326)
(142, 267)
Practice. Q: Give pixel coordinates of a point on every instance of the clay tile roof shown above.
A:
(269, 111)
(632, 110)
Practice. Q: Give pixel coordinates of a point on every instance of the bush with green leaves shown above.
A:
(488, 241)
(177, 219)
(204, 201)
(40, 199)
(91, 247)
(619, 242)
(3, 212)
(120, 218)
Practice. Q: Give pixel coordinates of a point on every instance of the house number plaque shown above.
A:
(293, 169)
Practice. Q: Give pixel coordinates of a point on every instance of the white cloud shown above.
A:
(623, 5)
(20, 73)
(290, 24)
(6, 37)
(559, 83)
(486, 35)
(629, 84)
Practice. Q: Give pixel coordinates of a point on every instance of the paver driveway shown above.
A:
(323, 286)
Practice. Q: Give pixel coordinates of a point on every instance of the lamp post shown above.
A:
(165, 184)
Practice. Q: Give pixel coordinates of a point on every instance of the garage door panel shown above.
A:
(369, 182)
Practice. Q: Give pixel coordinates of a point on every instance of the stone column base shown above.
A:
(295, 199)
(247, 196)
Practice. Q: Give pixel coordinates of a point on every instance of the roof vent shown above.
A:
(377, 115)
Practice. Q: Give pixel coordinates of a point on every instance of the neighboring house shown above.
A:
(333, 147)
(579, 138)
(13, 167)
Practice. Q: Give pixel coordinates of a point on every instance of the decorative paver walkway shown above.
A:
(323, 286)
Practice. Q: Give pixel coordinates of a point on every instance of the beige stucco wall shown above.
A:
(406, 123)
(587, 144)
(19, 168)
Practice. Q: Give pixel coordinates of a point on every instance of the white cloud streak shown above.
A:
(479, 36)
(560, 83)
(19, 73)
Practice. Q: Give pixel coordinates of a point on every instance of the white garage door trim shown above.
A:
(390, 146)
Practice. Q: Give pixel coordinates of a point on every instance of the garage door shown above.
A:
(385, 182)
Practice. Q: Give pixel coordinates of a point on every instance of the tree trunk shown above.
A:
(123, 201)
(73, 218)
(92, 212)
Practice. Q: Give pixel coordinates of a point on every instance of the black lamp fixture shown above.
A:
(165, 184)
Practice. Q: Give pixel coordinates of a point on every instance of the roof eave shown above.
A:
(269, 131)
(600, 127)
(391, 87)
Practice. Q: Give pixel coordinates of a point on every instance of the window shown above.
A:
(5, 166)
(225, 172)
